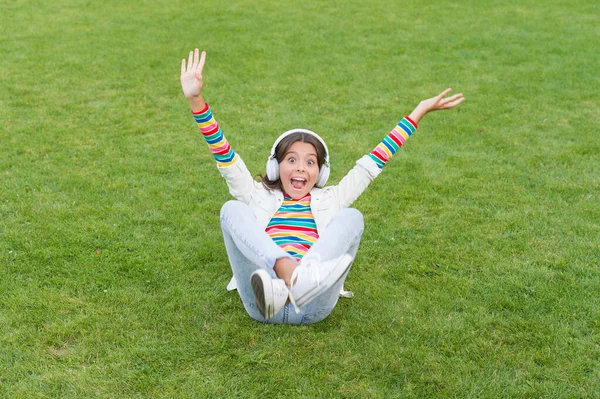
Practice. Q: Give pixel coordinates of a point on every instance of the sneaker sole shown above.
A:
(341, 268)
(262, 298)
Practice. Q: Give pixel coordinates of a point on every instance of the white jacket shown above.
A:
(325, 202)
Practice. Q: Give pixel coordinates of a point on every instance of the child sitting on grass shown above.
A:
(291, 240)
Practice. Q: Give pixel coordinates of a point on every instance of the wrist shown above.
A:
(418, 113)
(197, 103)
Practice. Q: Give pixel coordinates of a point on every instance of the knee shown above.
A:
(233, 207)
(353, 217)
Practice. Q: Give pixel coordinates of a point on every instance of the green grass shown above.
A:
(478, 275)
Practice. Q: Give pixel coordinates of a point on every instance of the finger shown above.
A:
(190, 60)
(443, 102)
(183, 66)
(202, 61)
(454, 103)
(443, 94)
(195, 59)
(454, 97)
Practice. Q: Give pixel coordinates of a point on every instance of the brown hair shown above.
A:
(284, 146)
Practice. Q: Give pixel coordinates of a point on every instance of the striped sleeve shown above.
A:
(393, 141)
(217, 143)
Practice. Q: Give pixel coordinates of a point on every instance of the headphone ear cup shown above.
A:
(323, 176)
(272, 169)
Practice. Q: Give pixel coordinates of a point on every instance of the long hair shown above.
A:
(282, 149)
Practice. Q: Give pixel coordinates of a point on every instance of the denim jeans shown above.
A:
(250, 248)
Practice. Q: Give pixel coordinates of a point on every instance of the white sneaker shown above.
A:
(313, 277)
(270, 294)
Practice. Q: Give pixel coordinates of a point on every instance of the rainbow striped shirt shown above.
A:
(293, 226)
(217, 143)
(393, 141)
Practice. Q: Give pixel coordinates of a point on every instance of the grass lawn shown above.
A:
(479, 270)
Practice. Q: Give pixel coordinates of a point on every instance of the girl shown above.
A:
(290, 240)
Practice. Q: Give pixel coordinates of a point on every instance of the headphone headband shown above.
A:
(292, 131)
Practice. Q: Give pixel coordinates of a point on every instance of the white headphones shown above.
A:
(273, 165)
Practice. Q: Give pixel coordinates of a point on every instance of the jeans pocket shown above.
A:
(314, 317)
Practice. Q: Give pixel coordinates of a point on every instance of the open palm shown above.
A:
(191, 74)
(442, 102)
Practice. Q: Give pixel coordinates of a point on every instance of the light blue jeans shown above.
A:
(249, 248)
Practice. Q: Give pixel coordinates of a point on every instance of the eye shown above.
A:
(311, 162)
(291, 159)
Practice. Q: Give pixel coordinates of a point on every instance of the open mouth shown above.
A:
(298, 183)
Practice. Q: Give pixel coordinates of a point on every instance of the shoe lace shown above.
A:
(311, 265)
(293, 301)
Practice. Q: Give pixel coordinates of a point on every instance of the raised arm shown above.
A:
(191, 84)
(407, 126)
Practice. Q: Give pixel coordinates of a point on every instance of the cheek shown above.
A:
(314, 174)
(284, 168)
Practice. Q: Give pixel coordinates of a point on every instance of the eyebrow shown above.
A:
(295, 153)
